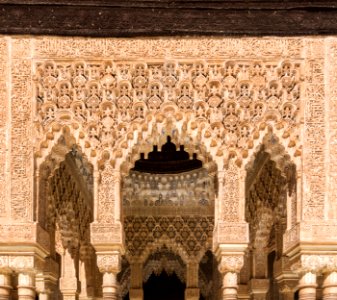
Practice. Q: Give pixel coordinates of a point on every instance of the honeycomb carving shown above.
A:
(228, 100)
(184, 189)
(193, 234)
(70, 203)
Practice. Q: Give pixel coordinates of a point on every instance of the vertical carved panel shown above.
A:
(3, 123)
(314, 133)
(331, 63)
(106, 195)
(231, 193)
(21, 136)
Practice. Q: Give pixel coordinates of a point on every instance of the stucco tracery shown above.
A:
(75, 115)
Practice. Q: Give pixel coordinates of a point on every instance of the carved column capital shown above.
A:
(231, 263)
(109, 262)
(315, 263)
(20, 263)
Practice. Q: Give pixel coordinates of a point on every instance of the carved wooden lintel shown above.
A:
(154, 18)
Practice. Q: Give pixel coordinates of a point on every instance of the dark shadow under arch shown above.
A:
(164, 287)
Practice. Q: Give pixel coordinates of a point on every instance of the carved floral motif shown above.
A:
(230, 263)
(110, 263)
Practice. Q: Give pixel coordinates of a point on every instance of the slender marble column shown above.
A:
(109, 263)
(5, 286)
(26, 286)
(330, 286)
(307, 286)
(230, 286)
(41, 289)
(109, 286)
(230, 266)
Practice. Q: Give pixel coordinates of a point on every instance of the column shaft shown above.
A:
(330, 286)
(109, 286)
(230, 286)
(5, 286)
(307, 286)
(26, 286)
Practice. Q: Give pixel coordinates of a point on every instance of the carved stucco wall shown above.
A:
(308, 143)
(4, 206)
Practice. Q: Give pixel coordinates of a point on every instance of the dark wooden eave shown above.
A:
(101, 18)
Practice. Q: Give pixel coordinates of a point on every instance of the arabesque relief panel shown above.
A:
(224, 99)
(3, 125)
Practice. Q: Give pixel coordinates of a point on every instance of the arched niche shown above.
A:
(271, 208)
(64, 208)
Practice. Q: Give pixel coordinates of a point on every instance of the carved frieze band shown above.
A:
(307, 232)
(17, 263)
(18, 233)
(315, 263)
(194, 48)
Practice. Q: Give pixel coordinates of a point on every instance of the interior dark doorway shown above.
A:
(164, 287)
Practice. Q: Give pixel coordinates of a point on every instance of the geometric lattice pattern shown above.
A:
(193, 233)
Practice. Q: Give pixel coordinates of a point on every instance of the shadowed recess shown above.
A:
(168, 160)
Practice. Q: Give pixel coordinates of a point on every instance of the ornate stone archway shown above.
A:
(221, 97)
